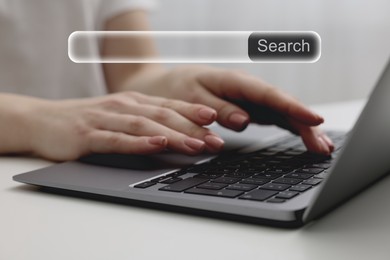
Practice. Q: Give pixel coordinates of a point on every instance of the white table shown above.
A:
(37, 225)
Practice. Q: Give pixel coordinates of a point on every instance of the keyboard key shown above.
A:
(242, 187)
(177, 174)
(275, 186)
(298, 175)
(171, 180)
(256, 158)
(194, 169)
(288, 181)
(257, 167)
(229, 166)
(259, 195)
(274, 162)
(227, 180)
(310, 158)
(208, 175)
(145, 185)
(225, 170)
(300, 187)
(313, 181)
(156, 180)
(255, 181)
(245, 162)
(276, 200)
(251, 169)
(218, 193)
(286, 194)
(321, 165)
(267, 175)
(183, 185)
(240, 174)
(280, 170)
(310, 170)
(212, 186)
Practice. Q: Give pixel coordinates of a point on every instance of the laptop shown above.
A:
(274, 182)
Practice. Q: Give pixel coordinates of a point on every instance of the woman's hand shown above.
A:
(127, 122)
(230, 92)
(220, 89)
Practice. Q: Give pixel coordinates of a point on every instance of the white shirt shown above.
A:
(33, 45)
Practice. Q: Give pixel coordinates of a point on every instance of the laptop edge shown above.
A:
(365, 143)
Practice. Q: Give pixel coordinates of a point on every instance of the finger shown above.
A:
(173, 120)
(197, 113)
(242, 86)
(264, 115)
(314, 138)
(114, 142)
(228, 114)
(328, 141)
(142, 126)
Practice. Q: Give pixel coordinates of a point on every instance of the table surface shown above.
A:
(38, 225)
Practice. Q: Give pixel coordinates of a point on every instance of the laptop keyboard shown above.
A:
(274, 174)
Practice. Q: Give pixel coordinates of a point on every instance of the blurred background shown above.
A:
(355, 39)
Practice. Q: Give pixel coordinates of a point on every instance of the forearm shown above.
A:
(129, 76)
(14, 129)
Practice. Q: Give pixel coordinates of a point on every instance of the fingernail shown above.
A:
(238, 120)
(207, 114)
(158, 140)
(323, 146)
(320, 118)
(329, 142)
(215, 142)
(194, 144)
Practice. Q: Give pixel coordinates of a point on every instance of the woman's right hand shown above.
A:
(126, 122)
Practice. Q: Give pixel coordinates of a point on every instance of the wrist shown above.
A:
(144, 80)
(16, 115)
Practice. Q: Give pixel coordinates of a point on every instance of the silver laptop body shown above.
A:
(364, 159)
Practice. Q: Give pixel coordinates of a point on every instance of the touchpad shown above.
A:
(138, 162)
